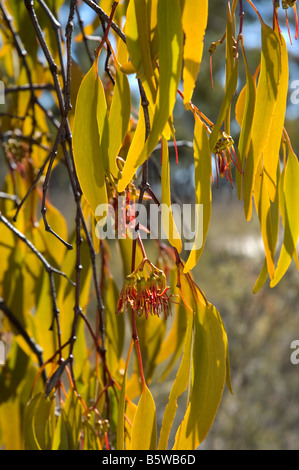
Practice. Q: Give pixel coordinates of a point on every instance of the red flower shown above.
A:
(145, 291)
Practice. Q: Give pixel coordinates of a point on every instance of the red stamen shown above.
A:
(176, 151)
(296, 19)
(211, 72)
(287, 23)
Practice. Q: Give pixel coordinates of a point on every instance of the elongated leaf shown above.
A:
(263, 208)
(291, 221)
(120, 436)
(179, 386)
(170, 64)
(244, 114)
(230, 90)
(271, 149)
(194, 19)
(91, 440)
(202, 176)
(266, 100)
(87, 152)
(119, 118)
(209, 372)
(138, 40)
(39, 423)
(144, 430)
(166, 212)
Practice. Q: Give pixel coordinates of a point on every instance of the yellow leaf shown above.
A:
(209, 375)
(138, 41)
(290, 204)
(170, 64)
(144, 430)
(87, 152)
(229, 92)
(179, 386)
(271, 149)
(263, 208)
(194, 19)
(166, 212)
(119, 118)
(266, 100)
(244, 114)
(203, 193)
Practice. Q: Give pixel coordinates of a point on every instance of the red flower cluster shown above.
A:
(145, 291)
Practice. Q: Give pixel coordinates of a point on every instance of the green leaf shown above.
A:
(290, 205)
(230, 90)
(194, 20)
(203, 193)
(68, 427)
(91, 440)
(170, 64)
(120, 436)
(119, 118)
(272, 147)
(209, 376)
(244, 114)
(179, 386)
(166, 212)
(139, 40)
(86, 141)
(266, 100)
(39, 423)
(144, 430)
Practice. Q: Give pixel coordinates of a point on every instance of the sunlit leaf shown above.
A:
(271, 149)
(291, 221)
(170, 63)
(86, 144)
(144, 431)
(209, 376)
(179, 386)
(203, 194)
(266, 100)
(194, 20)
(119, 118)
(166, 211)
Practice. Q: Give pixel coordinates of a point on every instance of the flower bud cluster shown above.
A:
(145, 291)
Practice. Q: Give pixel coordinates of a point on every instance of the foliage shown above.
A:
(69, 381)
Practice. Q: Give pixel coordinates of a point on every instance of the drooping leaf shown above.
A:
(170, 63)
(266, 100)
(272, 146)
(230, 90)
(179, 386)
(291, 221)
(144, 430)
(138, 41)
(120, 436)
(194, 20)
(244, 114)
(203, 194)
(166, 211)
(86, 141)
(209, 376)
(119, 118)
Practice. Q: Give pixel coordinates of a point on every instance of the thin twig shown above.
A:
(104, 17)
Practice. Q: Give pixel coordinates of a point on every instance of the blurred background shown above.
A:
(263, 412)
